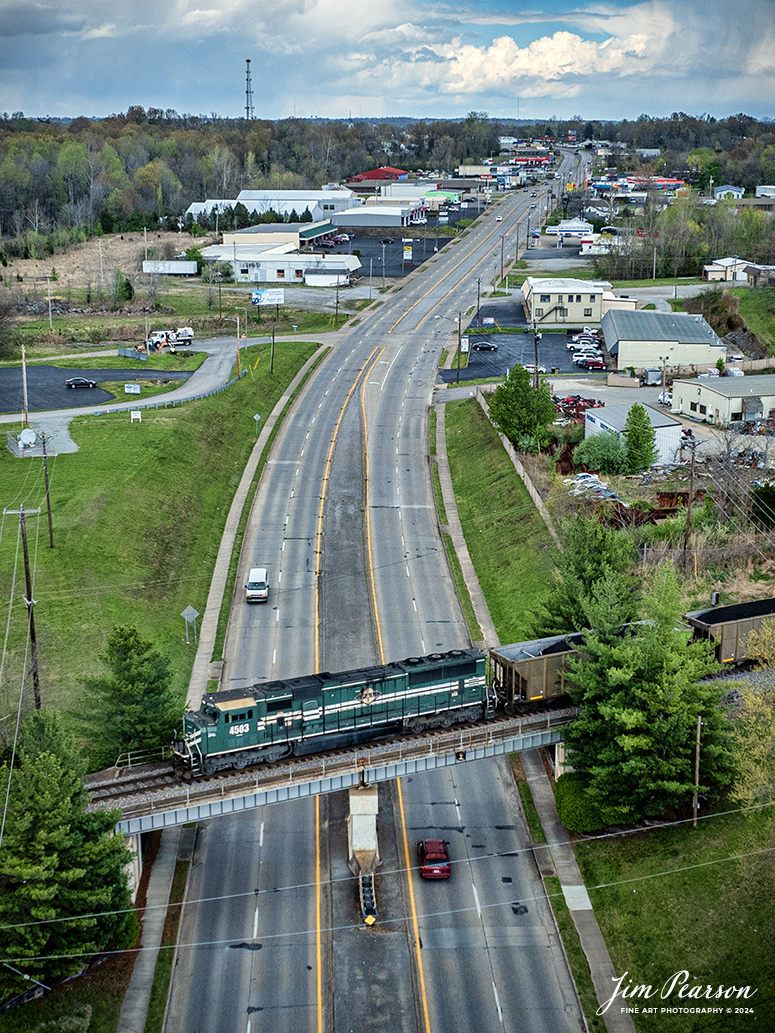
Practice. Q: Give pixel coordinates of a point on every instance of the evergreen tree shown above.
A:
(518, 410)
(134, 706)
(591, 552)
(639, 699)
(57, 861)
(641, 440)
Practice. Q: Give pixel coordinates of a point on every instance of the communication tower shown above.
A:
(248, 93)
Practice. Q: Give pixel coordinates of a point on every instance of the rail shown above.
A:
(354, 764)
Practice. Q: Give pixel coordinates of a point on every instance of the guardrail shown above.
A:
(126, 406)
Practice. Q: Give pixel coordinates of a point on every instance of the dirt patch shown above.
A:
(97, 260)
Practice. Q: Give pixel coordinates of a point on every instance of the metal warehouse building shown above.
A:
(724, 400)
(667, 431)
(644, 339)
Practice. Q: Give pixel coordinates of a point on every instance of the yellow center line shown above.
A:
(323, 489)
(415, 927)
(443, 278)
(318, 942)
(368, 513)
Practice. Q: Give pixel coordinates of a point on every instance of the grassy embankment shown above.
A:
(509, 544)
(138, 514)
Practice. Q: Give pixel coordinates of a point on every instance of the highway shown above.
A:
(345, 523)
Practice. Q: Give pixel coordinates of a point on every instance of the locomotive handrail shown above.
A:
(357, 760)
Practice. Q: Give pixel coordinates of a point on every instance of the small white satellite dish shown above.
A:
(28, 437)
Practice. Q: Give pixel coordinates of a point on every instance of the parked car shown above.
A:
(582, 343)
(80, 382)
(580, 358)
(532, 368)
(595, 363)
(386, 240)
(666, 398)
(326, 243)
(484, 346)
(434, 859)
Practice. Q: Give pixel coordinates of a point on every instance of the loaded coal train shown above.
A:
(318, 712)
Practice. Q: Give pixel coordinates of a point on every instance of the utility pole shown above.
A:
(696, 774)
(25, 412)
(48, 496)
(692, 446)
(29, 601)
(478, 297)
(271, 354)
(536, 339)
(502, 239)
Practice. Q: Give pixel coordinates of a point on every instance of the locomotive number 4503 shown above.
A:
(239, 729)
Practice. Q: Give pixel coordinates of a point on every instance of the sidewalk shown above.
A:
(134, 1010)
(562, 859)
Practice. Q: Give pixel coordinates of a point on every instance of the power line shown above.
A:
(399, 871)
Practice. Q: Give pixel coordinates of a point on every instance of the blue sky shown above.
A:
(422, 58)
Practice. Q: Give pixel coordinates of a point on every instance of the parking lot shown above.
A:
(513, 349)
(426, 241)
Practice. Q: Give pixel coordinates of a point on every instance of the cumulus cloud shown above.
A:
(414, 56)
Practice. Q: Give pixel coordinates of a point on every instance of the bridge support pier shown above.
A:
(135, 867)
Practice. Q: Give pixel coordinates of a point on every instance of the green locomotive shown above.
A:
(326, 711)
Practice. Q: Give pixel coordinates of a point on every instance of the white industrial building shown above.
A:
(282, 263)
(571, 228)
(321, 204)
(725, 400)
(667, 431)
(380, 216)
(673, 339)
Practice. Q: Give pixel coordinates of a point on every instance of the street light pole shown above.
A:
(459, 342)
(478, 296)
(383, 265)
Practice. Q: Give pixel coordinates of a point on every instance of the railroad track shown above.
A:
(138, 791)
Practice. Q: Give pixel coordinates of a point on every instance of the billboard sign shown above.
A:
(268, 296)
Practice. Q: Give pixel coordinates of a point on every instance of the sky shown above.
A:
(360, 59)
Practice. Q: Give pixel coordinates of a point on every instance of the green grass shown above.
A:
(577, 959)
(664, 906)
(138, 515)
(147, 389)
(537, 833)
(163, 973)
(757, 307)
(509, 544)
(474, 631)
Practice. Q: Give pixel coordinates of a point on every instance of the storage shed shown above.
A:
(614, 418)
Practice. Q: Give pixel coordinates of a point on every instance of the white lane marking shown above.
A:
(279, 576)
(301, 453)
(261, 839)
(277, 615)
(414, 604)
(255, 924)
(248, 1027)
(274, 657)
(476, 901)
(497, 1003)
(457, 811)
(407, 571)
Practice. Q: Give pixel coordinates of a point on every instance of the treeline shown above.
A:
(60, 182)
(680, 239)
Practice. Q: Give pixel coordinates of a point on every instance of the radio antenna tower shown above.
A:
(248, 93)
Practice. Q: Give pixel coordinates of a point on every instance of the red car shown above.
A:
(434, 859)
(595, 364)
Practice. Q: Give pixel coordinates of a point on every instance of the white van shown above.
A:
(257, 588)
